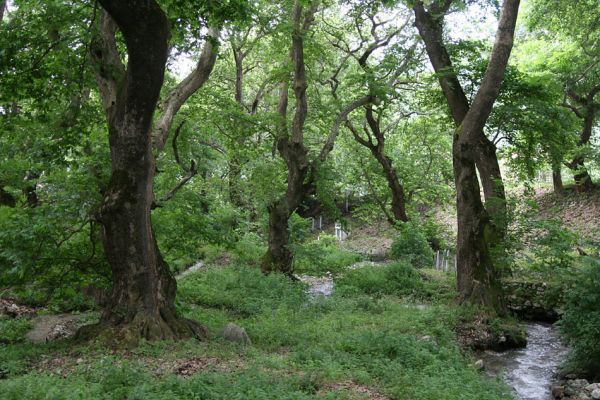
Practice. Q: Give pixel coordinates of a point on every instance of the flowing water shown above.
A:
(529, 371)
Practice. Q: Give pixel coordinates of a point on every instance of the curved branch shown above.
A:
(186, 88)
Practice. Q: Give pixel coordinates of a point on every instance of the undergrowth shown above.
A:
(397, 341)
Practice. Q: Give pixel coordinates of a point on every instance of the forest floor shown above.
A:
(371, 339)
(579, 212)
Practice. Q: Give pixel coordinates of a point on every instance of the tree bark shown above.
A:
(478, 277)
(142, 301)
(377, 148)
(557, 182)
(430, 27)
(2, 9)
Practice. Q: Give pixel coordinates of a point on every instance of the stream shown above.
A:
(529, 371)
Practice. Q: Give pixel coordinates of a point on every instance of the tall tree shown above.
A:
(290, 145)
(477, 275)
(430, 24)
(142, 303)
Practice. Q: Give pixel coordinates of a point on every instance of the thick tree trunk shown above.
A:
(278, 258)
(477, 278)
(557, 182)
(143, 293)
(478, 281)
(430, 26)
(291, 148)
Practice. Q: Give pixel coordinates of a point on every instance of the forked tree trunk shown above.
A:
(291, 148)
(478, 281)
(143, 294)
(430, 26)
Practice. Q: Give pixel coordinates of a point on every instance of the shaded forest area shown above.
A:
(298, 199)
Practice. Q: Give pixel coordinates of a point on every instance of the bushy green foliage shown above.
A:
(412, 246)
(318, 257)
(399, 279)
(242, 291)
(580, 323)
(13, 330)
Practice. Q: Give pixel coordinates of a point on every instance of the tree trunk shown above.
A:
(583, 180)
(143, 293)
(6, 199)
(487, 164)
(396, 189)
(278, 258)
(557, 182)
(291, 148)
(233, 180)
(478, 277)
(430, 26)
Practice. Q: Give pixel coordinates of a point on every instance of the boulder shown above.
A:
(235, 334)
(558, 392)
(596, 394)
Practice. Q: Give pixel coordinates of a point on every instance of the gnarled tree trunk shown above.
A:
(142, 301)
(478, 281)
(557, 182)
(430, 26)
(291, 148)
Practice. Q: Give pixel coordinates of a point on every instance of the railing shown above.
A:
(444, 260)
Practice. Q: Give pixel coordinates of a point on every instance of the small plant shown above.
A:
(13, 330)
(399, 279)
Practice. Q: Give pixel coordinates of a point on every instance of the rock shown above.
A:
(596, 394)
(558, 392)
(571, 376)
(235, 334)
(580, 383)
(479, 365)
(592, 386)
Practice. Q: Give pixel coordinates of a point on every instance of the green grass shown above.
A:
(301, 346)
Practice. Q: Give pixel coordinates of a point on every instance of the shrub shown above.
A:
(243, 291)
(412, 246)
(396, 279)
(13, 330)
(580, 323)
(318, 257)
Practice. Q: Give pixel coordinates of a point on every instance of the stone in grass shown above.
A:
(596, 394)
(479, 365)
(235, 334)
